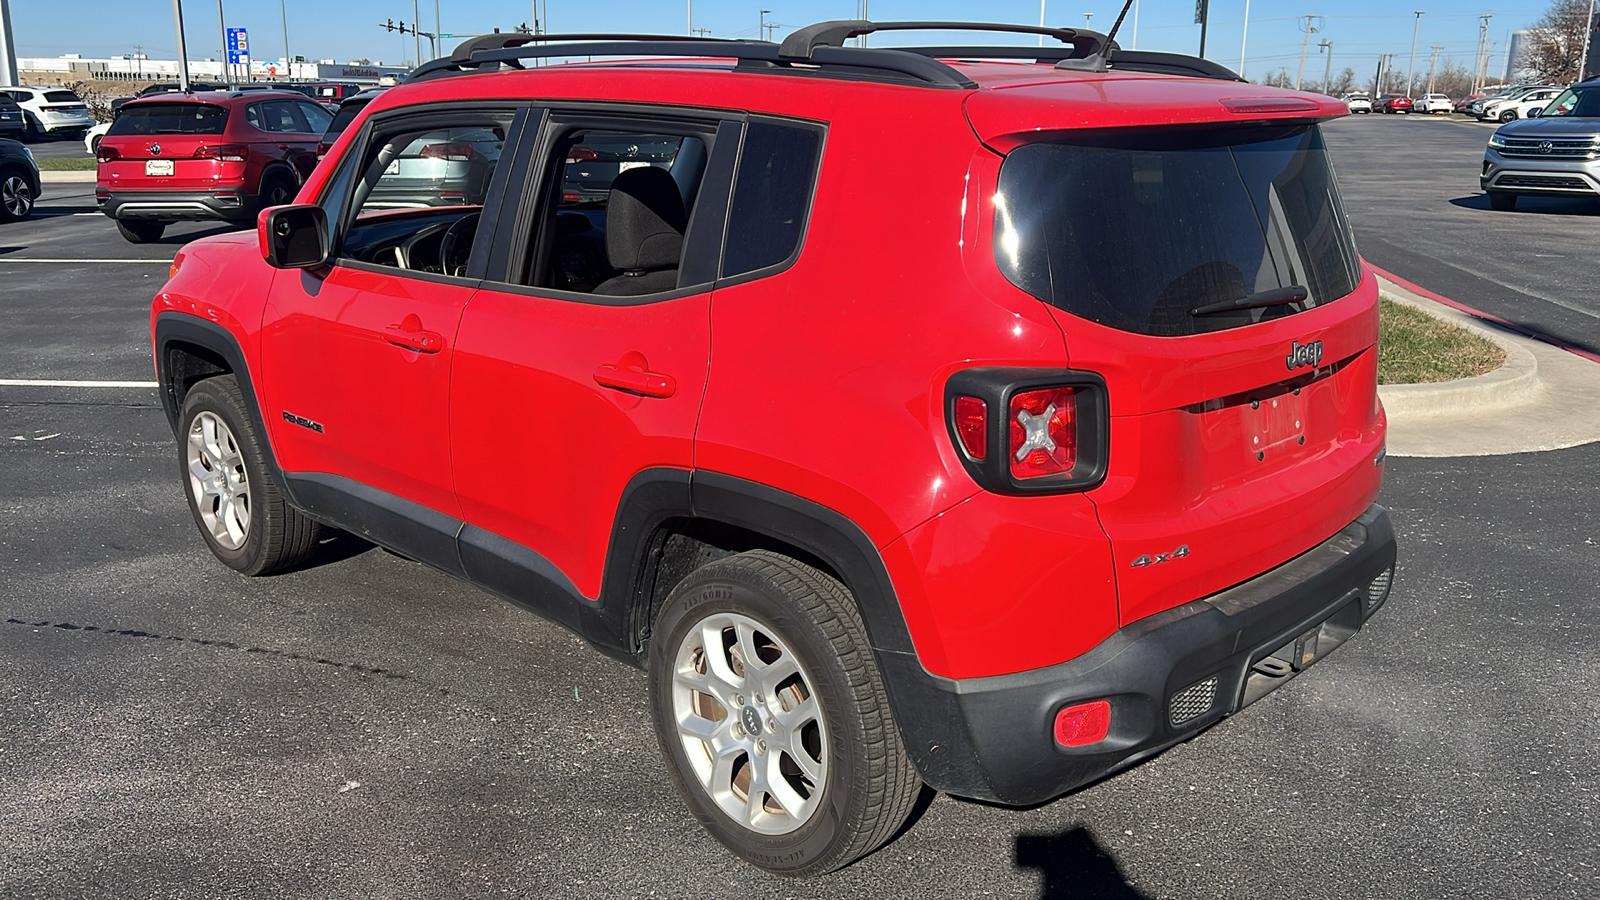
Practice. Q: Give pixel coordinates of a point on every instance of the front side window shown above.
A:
(420, 192)
(1139, 231)
(1581, 103)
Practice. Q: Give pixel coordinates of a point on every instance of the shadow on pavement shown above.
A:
(1550, 206)
(1074, 866)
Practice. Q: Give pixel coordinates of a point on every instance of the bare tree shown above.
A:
(1452, 79)
(1343, 83)
(1555, 42)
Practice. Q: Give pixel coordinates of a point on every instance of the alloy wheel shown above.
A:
(218, 482)
(16, 196)
(750, 723)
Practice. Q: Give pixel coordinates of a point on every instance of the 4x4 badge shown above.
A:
(1303, 354)
(1156, 559)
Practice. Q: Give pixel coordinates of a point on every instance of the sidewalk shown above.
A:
(1543, 398)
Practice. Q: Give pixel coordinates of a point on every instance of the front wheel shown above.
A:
(16, 197)
(236, 503)
(138, 232)
(1509, 115)
(773, 718)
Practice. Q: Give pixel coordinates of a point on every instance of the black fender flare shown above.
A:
(932, 726)
(181, 328)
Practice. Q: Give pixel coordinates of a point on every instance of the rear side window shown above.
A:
(1135, 232)
(61, 97)
(771, 196)
(170, 118)
(277, 116)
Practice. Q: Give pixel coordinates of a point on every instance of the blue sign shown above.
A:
(238, 46)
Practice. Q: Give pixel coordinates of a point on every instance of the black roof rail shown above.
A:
(820, 50)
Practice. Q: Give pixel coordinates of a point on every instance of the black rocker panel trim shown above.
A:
(405, 527)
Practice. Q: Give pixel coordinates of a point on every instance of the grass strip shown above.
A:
(58, 164)
(1416, 348)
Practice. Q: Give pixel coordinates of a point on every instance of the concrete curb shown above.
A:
(1515, 382)
(86, 176)
(1543, 398)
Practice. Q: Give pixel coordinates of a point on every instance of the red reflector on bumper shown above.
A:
(1086, 723)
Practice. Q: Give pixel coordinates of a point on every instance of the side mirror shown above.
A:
(294, 237)
(1536, 112)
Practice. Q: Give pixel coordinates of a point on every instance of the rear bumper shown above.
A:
(172, 206)
(1167, 677)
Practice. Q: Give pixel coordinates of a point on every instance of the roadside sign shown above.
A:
(238, 46)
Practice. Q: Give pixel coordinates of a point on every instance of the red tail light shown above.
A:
(322, 149)
(581, 154)
(223, 152)
(972, 424)
(1043, 432)
(453, 151)
(103, 153)
(1086, 723)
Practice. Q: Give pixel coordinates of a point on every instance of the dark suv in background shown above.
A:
(218, 155)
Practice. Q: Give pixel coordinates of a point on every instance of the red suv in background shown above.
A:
(995, 470)
(222, 155)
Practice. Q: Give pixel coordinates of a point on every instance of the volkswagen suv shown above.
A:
(1554, 153)
(994, 470)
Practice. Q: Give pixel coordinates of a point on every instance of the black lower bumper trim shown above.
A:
(181, 206)
(992, 738)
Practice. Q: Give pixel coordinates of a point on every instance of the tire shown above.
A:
(1502, 201)
(1509, 115)
(95, 144)
(816, 694)
(235, 502)
(277, 189)
(141, 232)
(16, 196)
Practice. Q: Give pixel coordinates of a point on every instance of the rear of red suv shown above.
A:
(213, 156)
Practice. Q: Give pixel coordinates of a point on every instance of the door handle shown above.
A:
(409, 334)
(630, 374)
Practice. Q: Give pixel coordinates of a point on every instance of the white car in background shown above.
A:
(51, 110)
(1435, 103)
(91, 141)
(1516, 105)
(1358, 103)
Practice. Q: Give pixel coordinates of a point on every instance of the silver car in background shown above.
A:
(1557, 152)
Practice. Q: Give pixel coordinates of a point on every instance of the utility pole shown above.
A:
(1312, 24)
(288, 61)
(1377, 77)
(761, 30)
(1244, 34)
(1086, 18)
(8, 48)
(1481, 64)
(1411, 67)
(222, 27)
(1326, 46)
(702, 32)
(416, 31)
(1202, 17)
(1583, 58)
(1432, 65)
(183, 52)
(1041, 21)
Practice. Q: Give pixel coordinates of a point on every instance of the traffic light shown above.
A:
(388, 25)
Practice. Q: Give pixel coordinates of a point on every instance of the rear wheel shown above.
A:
(137, 232)
(16, 196)
(1502, 201)
(235, 502)
(277, 189)
(773, 717)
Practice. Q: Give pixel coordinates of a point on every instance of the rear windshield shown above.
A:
(341, 120)
(61, 97)
(170, 118)
(1137, 231)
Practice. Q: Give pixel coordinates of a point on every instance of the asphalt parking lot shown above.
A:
(371, 728)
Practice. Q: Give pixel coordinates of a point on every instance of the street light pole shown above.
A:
(1243, 36)
(1041, 21)
(1326, 45)
(183, 52)
(288, 61)
(8, 47)
(1411, 67)
(222, 26)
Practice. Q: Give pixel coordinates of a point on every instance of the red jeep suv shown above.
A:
(992, 469)
(214, 155)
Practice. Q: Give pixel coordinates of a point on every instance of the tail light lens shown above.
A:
(581, 154)
(1030, 431)
(453, 151)
(223, 152)
(1042, 429)
(322, 148)
(103, 153)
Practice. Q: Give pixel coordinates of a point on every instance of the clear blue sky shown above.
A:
(346, 29)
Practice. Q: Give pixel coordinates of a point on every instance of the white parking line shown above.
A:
(32, 382)
(13, 259)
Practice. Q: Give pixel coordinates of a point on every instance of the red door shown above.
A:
(557, 403)
(358, 363)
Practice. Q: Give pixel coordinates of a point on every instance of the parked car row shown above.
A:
(1553, 151)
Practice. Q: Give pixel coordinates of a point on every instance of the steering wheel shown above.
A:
(459, 234)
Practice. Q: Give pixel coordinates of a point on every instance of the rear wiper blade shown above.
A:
(1283, 296)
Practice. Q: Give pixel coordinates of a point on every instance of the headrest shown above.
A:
(645, 220)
